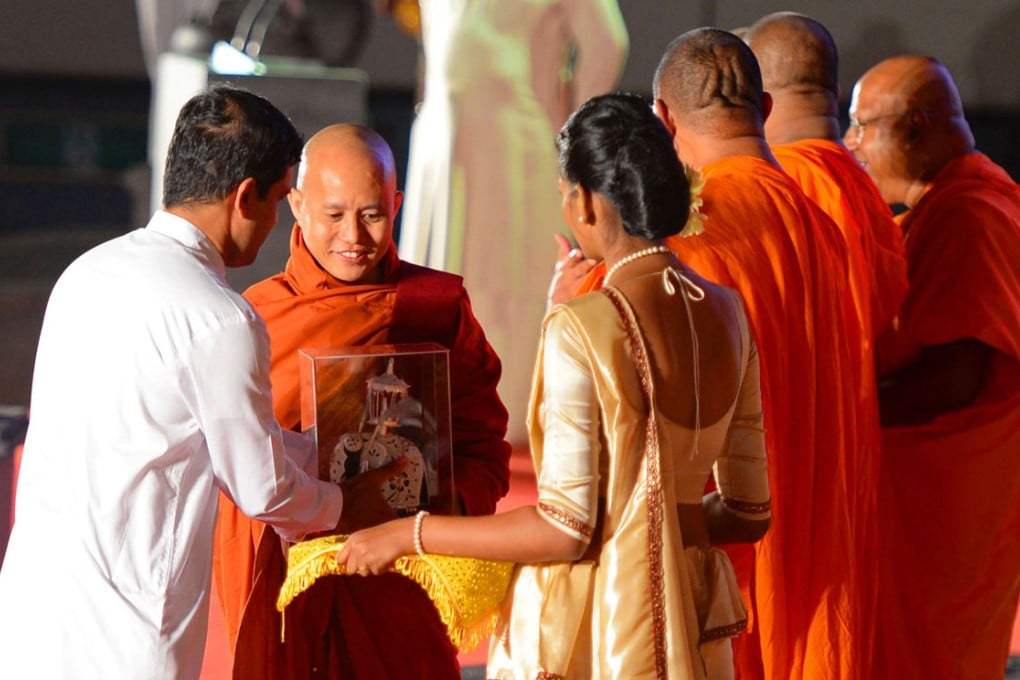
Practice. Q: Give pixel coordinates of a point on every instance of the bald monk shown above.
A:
(789, 262)
(949, 489)
(799, 65)
(800, 70)
(344, 285)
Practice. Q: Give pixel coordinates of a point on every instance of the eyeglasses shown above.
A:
(858, 125)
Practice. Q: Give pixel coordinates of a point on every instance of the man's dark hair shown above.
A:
(223, 136)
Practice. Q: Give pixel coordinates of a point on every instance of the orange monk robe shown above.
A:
(787, 259)
(831, 177)
(382, 626)
(949, 489)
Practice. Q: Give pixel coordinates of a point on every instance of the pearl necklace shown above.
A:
(653, 250)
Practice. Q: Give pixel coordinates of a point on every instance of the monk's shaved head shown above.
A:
(907, 123)
(917, 82)
(346, 200)
(710, 80)
(741, 32)
(347, 138)
(794, 51)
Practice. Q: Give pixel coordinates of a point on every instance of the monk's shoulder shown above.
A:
(270, 290)
(735, 189)
(415, 274)
(797, 154)
(971, 197)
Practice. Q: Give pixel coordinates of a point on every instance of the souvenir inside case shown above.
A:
(368, 406)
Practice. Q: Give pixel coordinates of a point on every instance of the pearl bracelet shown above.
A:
(417, 531)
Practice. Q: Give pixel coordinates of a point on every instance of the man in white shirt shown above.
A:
(151, 392)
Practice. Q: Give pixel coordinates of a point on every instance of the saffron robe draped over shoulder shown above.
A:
(808, 583)
(384, 626)
(950, 488)
(830, 176)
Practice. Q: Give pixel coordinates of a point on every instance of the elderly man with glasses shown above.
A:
(949, 489)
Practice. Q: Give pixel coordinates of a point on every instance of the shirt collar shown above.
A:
(188, 235)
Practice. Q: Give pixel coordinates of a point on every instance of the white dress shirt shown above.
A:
(151, 392)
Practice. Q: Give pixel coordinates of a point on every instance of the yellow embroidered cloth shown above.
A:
(465, 591)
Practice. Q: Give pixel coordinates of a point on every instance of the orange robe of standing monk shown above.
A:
(949, 489)
(830, 176)
(789, 262)
(353, 627)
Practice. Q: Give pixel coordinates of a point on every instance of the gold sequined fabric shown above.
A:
(466, 592)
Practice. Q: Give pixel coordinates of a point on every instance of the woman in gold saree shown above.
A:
(641, 391)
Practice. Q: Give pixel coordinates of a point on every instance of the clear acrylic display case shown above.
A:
(369, 405)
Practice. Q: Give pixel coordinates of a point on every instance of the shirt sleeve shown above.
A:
(228, 380)
(570, 420)
(740, 472)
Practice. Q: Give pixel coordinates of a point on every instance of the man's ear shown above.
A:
(398, 200)
(918, 122)
(663, 114)
(295, 199)
(766, 106)
(244, 197)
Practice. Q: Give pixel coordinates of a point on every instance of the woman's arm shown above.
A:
(726, 527)
(739, 511)
(520, 535)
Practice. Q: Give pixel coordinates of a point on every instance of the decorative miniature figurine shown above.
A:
(388, 405)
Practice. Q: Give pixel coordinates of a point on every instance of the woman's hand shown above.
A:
(571, 269)
(374, 550)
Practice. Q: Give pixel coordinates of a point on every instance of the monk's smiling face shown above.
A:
(876, 134)
(906, 123)
(345, 202)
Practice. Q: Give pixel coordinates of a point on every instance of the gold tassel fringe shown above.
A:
(466, 592)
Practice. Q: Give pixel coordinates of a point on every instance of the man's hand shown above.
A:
(364, 503)
(571, 268)
(941, 379)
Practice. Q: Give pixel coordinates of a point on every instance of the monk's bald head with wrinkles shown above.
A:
(710, 81)
(795, 52)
